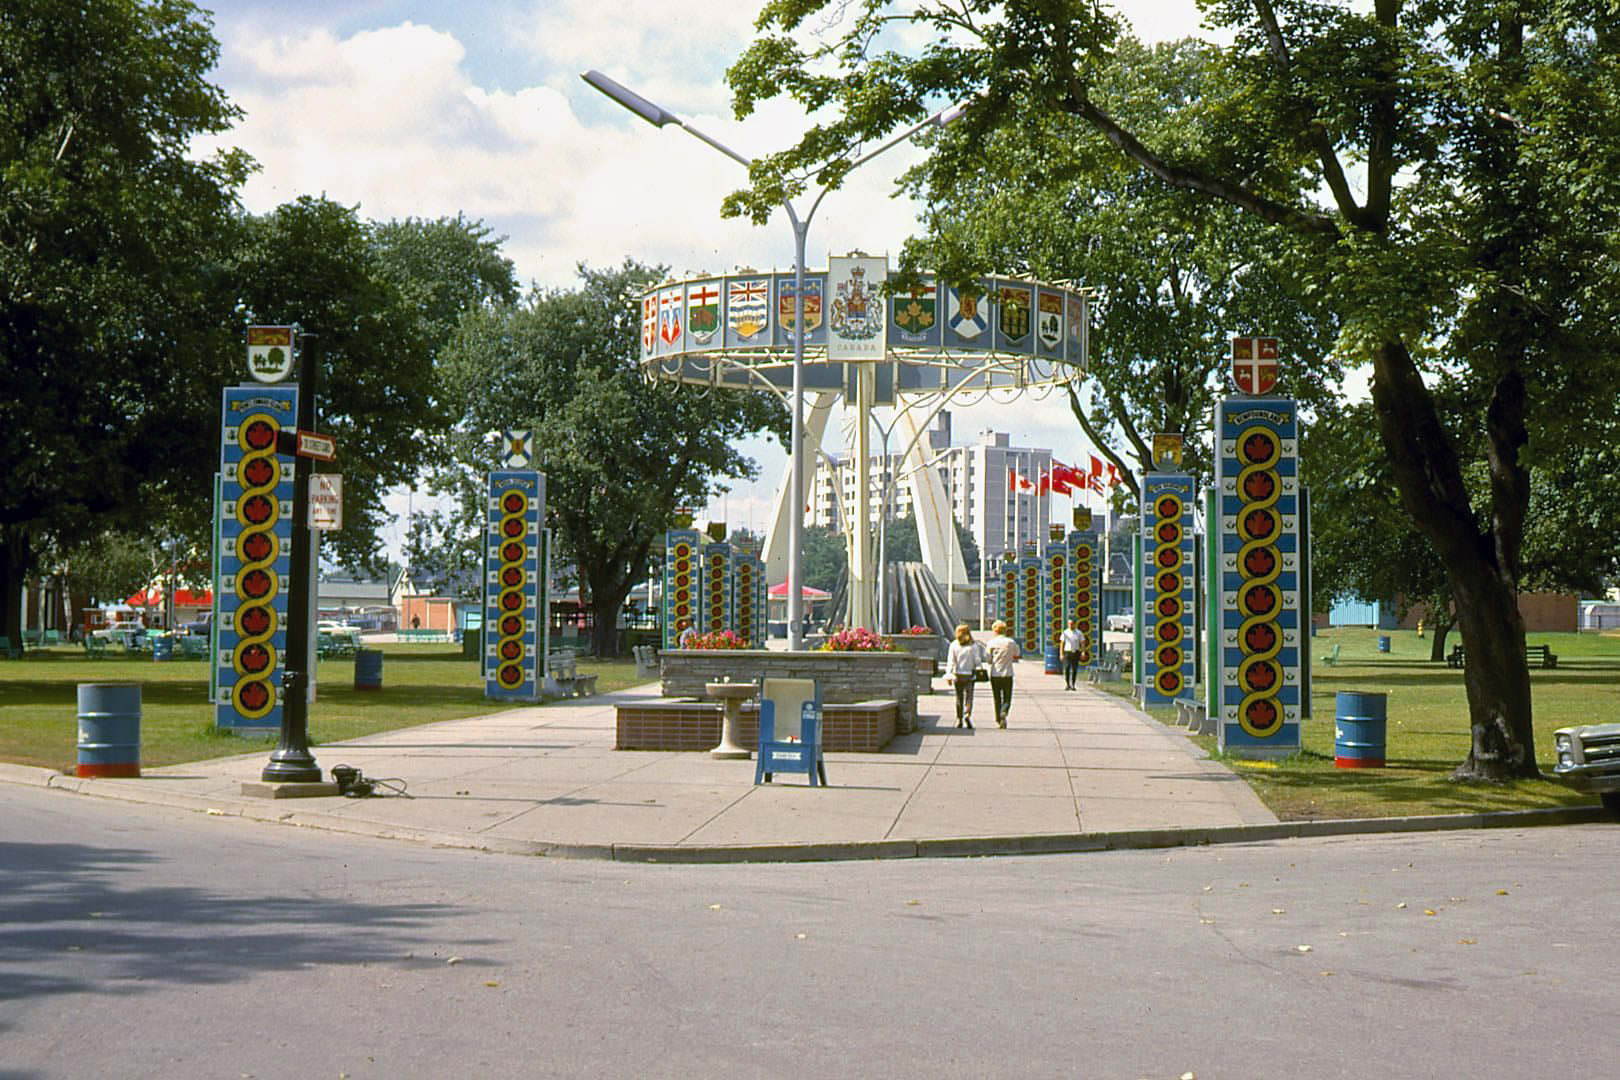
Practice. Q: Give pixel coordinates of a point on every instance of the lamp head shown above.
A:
(655, 115)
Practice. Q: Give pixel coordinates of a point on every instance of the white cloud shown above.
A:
(396, 120)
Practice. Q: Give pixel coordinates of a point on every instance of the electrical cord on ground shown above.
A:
(354, 784)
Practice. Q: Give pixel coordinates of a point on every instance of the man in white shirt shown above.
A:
(1071, 642)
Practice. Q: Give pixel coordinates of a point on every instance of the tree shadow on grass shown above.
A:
(64, 899)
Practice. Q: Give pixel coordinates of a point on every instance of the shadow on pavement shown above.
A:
(71, 923)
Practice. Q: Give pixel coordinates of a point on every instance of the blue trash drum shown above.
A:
(1053, 658)
(163, 648)
(109, 729)
(1383, 643)
(368, 669)
(1359, 729)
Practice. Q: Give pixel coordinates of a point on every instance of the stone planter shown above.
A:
(844, 677)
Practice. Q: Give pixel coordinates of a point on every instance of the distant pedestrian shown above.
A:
(1003, 652)
(687, 636)
(1073, 641)
(961, 664)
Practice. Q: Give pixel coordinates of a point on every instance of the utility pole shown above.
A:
(291, 761)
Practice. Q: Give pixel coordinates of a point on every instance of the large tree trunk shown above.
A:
(1495, 676)
(1480, 565)
(15, 556)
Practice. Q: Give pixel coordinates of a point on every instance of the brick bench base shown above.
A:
(668, 724)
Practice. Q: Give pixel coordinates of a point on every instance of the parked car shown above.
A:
(1122, 623)
(1589, 759)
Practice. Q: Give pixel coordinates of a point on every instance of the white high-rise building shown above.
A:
(977, 478)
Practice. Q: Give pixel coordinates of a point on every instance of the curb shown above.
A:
(282, 813)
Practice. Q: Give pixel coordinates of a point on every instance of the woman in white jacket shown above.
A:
(965, 657)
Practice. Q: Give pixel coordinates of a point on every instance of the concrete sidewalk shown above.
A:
(1073, 771)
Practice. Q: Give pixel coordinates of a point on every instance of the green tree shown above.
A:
(381, 301)
(1173, 274)
(110, 235)
(620, 453)
(1449, 167)
(826, 559)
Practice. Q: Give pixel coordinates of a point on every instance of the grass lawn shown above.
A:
(422, 684)
(1427, 733)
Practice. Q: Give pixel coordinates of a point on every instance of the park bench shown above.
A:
(1190, 713)
(95, 648)
(52, 637)
(191, 647)
(9, 645)
(425, 637)
(31, 639)
(1540, 655)
(646, 661)
(563, 678)
(330, 646)
(1332, 657)
(1107, 668)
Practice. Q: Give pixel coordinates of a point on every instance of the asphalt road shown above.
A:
(142, 942)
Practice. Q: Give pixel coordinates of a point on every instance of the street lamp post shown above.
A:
(658, 116)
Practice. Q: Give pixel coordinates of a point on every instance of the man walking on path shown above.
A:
(1071, 642)
(1003, 652)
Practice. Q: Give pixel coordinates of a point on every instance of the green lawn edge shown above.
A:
(421, 684)
(1427, 730)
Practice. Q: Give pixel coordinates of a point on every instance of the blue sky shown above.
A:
(418, 109)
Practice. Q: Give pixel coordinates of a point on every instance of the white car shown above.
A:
(1122, 623)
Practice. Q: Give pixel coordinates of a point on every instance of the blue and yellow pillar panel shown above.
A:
(1260, 576)
(1167, 588)
(255, 555)
(680, 582)
(1009, 595)
(1054, 603)
(748, 598)
(1085, 593)
(1030, 572)
(514, 603)
(715, 602)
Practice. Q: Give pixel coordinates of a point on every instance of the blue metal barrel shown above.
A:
(1054, 660)
(368, 669)
(1383, 643)
(1358, 729)
(109, 729)
(163, 648)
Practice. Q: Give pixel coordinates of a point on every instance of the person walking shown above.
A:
(1003, 652)
(961, 663)
(1072, 641)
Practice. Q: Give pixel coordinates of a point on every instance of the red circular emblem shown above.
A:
(1259, 600)
(1259, 562)
(1259, 524)
(1260, 676)
(259, 435)
(1262, 715)
(513, 502)
(253, 621)
(512, 527)
(510, 675)
(512, 553)
(256, 509)
(256, 584)
(511, 625)
(255, 658)
(258, 472)
(255, 546)
(511, 650)
(1259, 638)
(1258, 486)
(1258, 447)
(253, 696)
(511, 601)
